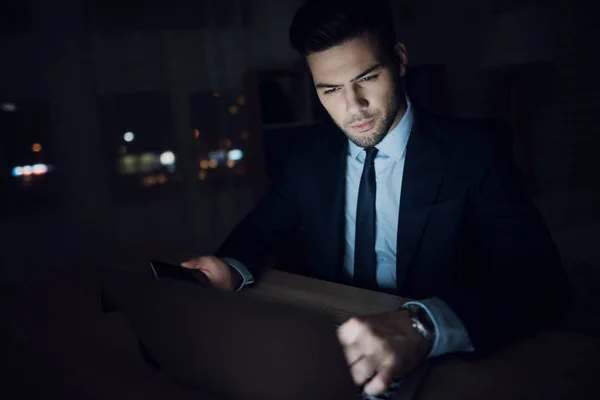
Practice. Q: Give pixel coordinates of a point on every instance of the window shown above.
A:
(140, 144)
(30, 178)
(222, 136)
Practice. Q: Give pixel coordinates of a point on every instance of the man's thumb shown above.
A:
(190, 264)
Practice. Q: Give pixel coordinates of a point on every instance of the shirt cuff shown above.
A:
(247, 278)
(450, 334)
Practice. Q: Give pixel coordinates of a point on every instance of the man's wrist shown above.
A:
(243, 272)
(426, 341)
(423, 324)
(429, 342)
(451, 335)
(237, 279)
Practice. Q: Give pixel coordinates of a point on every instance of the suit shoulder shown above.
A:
(292, 147)
(314, 140)
(315, 135)
(475, 134)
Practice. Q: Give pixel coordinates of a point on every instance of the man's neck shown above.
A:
(400, 114)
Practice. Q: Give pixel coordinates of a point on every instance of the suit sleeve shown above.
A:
(519, 285)
(273, 221)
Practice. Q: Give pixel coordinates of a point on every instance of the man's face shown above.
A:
(359, 88)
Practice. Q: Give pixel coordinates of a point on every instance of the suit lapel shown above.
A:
(426, 157)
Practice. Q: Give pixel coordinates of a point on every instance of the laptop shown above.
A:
(235, 347)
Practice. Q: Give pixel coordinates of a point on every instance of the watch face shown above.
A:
(422, 317)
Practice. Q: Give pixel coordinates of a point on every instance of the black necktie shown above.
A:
(365, 259)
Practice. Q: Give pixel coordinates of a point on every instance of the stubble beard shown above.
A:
(379, 131)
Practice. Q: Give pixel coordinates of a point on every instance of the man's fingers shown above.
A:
(352, 353)
(190, 264)
(381, 381)
(349, 332)
(362, 370)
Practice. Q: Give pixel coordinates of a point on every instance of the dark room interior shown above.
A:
(147, 130)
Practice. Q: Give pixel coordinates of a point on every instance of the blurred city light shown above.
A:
(149, 180)
(27, 170)
(167, 158)
(204, 164)
(8, 107)
(230, 163)
(235, 155)
(218, 155)
(128, 164)
(147, 162)
(39, 169)
(17, 171)
(128, 137)
(213, 163)
(196, 133)
(36, 147)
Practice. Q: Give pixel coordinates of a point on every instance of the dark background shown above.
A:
(202, 78)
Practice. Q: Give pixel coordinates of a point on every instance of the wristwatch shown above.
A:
(421, 322)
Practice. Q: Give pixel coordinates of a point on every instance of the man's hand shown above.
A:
(382, 346)
(220, 274)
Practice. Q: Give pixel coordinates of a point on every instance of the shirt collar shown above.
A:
(394, 143)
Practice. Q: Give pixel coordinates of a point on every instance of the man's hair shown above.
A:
(321, 24)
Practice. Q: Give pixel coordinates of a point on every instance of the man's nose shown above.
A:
(355, 101)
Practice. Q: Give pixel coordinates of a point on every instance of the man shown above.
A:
(397, 200)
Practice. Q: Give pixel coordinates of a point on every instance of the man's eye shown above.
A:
(370, 78)
(329, 91)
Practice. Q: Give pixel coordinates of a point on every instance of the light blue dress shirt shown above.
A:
(451, 336)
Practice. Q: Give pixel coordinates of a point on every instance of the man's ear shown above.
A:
(401, 58)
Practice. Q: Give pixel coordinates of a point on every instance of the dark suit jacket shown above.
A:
(467, 231)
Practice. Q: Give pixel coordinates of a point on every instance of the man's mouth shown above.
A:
(363, 126)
